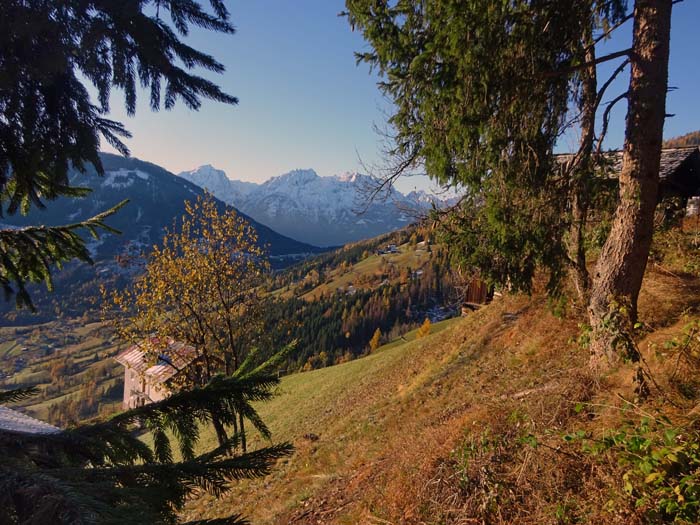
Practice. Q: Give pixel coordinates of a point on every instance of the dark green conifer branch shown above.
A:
(90, 471)
(28, 255)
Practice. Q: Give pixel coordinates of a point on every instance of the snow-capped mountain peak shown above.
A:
(353, 177)
(324, 211)
(349, 176)
(215, 181)
(298, 177)
(207, 173)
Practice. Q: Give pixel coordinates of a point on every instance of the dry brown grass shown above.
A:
(441, 430)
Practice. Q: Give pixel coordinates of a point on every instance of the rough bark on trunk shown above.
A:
(620, 269)
(582, 172)
(221, 435)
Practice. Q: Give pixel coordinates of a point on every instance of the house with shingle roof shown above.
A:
(147, 378)
(679, 172)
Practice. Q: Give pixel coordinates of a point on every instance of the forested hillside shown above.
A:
(334, 304)
(493, 418)
(689, 139)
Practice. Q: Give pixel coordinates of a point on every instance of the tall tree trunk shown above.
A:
(580, 201)
(221, 435)
(620, 269)
(244, 445)
(235, 427)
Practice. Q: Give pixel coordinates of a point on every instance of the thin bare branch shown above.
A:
(597, 61)
(610, 80)
(606, 119)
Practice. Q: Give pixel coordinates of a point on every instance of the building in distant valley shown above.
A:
(146, 379)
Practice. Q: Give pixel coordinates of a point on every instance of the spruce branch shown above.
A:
(29, 254)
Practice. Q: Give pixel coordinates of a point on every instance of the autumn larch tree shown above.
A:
(376, 340)
(424, 329)
(202, 286)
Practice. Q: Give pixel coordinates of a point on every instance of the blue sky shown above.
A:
(684, 74)
(304, 103)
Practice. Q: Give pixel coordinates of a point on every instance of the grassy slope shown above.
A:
(365, 274)
(378, 439)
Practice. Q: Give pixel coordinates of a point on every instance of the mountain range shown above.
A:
(323, 211)
(156, 201)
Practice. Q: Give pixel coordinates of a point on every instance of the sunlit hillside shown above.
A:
(484, 419)
(71, 361)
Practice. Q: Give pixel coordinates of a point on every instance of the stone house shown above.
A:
(147, 380)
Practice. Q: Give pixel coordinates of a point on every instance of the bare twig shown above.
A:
(606, 119)
(609, 81)
(584, 65)
(607, 33)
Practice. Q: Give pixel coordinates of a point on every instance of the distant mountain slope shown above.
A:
(156, 199)
(324, 211)
(689, 139)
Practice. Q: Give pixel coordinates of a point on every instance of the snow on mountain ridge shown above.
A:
(217, 182)
(319, 210)
(297, 176)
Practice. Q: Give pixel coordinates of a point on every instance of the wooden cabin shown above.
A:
(146, 379)
(476, 294)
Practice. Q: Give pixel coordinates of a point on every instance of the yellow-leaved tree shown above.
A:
(375, 341)
(424, 329)
(202, 287)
